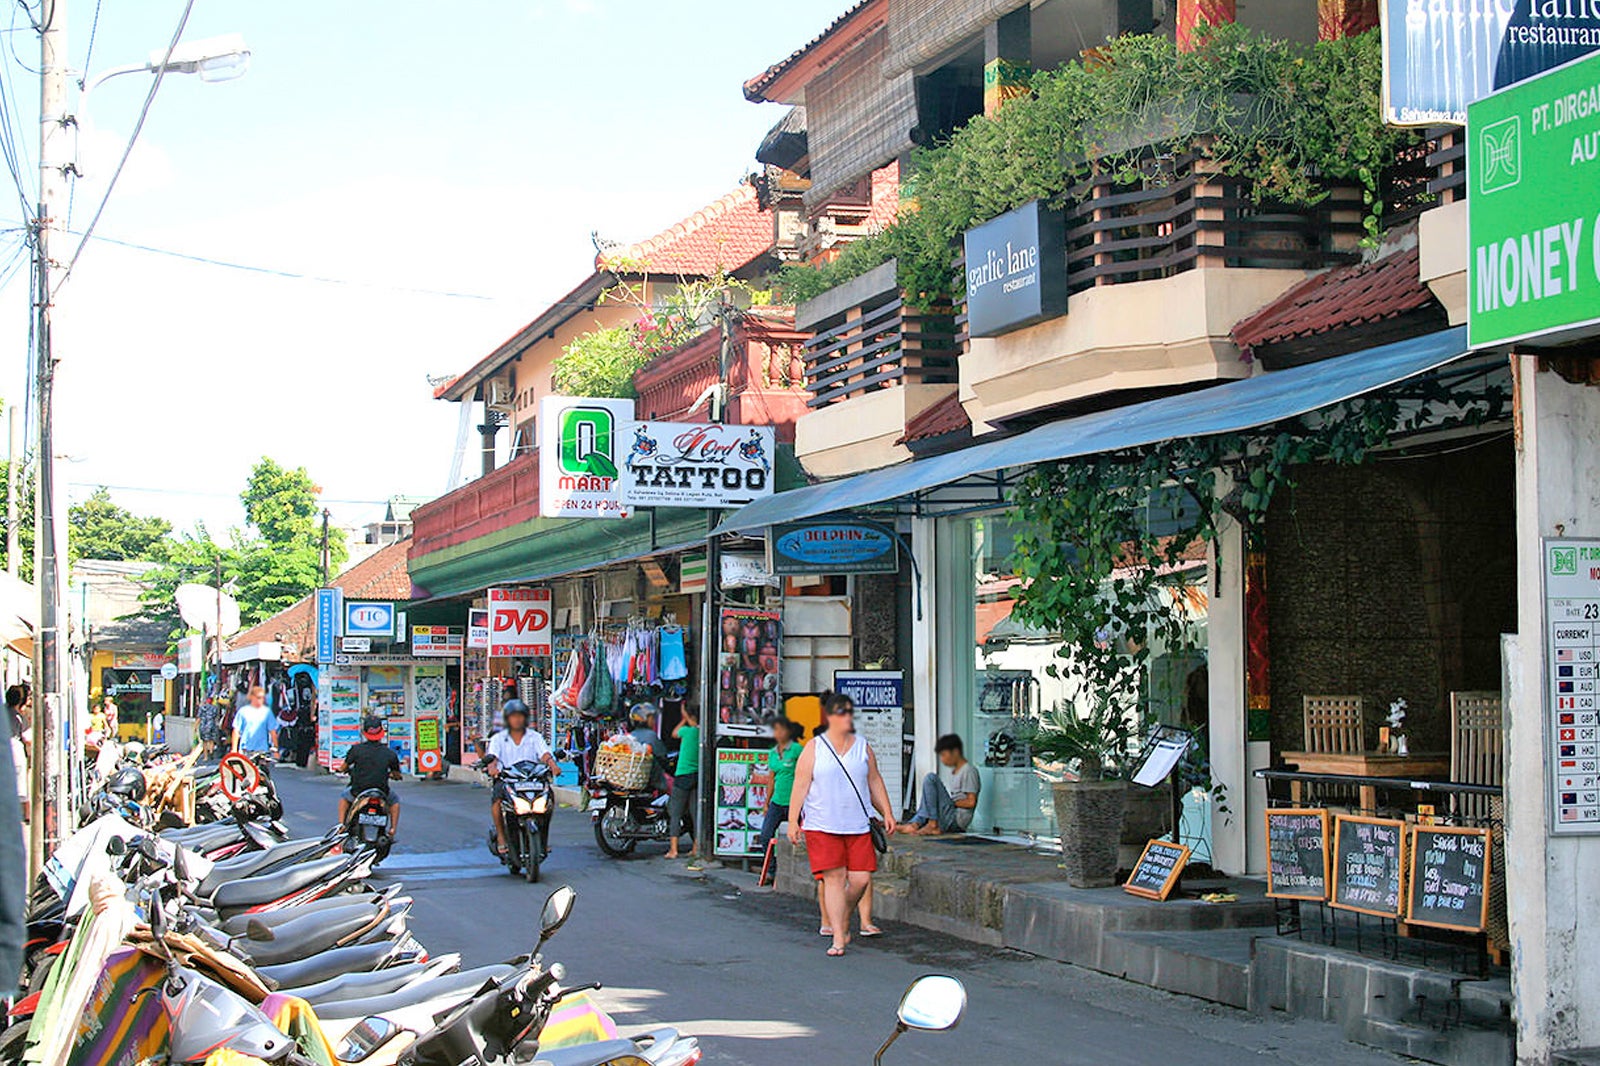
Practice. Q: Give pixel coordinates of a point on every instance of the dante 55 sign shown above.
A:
(1533, 158)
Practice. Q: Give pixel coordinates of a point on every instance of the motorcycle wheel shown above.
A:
(13, 1041)
(531, 850)
(612, 843)
(41, 973)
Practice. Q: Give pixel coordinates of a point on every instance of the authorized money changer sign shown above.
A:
(519, 623)
(1533, 211)
(580, 449)
(685, 464)
(1572, 641)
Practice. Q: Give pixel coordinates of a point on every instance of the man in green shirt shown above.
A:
(685, 784)
(781, 760)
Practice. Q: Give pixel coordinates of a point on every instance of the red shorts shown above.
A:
(830, 851)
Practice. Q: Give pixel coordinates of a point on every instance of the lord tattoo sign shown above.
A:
(686, 464)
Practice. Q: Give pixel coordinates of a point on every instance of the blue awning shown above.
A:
(1229, 408)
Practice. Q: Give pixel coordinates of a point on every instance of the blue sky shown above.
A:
(467, 147)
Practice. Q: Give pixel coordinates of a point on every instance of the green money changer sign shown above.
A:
(1533, 208)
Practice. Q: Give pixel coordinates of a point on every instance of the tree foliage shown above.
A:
(601, 363)
(101, 528)
(24, 520)
(1287, 115)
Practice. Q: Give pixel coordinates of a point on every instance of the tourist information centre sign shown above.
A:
(1533, 209)
(1572, 641)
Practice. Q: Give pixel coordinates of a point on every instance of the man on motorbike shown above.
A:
(642, 727)
(371, 764)
(513, 744)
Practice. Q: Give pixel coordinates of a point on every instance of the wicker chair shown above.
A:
(1477, 748)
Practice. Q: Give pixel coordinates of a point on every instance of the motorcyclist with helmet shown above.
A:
(371, 764)
(513, 744)
(642, 727)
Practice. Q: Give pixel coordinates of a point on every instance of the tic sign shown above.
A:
(519, 623)
(1533, 212)
(1572, 640)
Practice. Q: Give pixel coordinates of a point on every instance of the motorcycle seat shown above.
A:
(309, 934)
(239, 924)
(374, 982)
(265, 888)
(251, 863)
(596, 1054)
(358, 958)
(459, 985)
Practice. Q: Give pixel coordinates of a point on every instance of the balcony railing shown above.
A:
(1187, 214)
(878, 340)
(1430, 173)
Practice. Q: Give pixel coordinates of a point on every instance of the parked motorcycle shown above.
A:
(527, 803)
(366, 824)
(623, 817)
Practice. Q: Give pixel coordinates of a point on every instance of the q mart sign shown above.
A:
(1533, 209)
(580, 451)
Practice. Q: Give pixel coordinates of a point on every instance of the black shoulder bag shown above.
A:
(875, 827)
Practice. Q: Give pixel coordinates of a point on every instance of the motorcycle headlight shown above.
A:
(541, 805)
(521, 806)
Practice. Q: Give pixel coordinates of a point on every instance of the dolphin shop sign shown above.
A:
(832, 548)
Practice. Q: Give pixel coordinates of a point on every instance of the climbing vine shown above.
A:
(1101, 542)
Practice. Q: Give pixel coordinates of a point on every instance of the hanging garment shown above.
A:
(591, 678)
(674, 665)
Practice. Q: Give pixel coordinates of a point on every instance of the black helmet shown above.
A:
(372, 727)
(515, 706)
(127, 783)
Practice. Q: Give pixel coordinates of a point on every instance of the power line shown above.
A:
(154, 490)
(138, 127)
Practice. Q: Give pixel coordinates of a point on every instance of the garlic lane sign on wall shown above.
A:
(684, 464)
(579, 450)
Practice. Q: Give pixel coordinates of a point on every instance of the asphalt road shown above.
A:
(744, 969)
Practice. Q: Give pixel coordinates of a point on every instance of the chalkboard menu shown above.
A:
(1157, 869)
(1368, 864)
(1449, 878)
(1297, 854)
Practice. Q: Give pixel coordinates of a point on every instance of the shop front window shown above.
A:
(1016, 675)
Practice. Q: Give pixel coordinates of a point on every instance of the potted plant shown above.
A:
(1085, 754)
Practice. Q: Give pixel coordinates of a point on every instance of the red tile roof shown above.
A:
(944, 417)
(756, 88)
(885, 197)
(1356, 295)
(728, 234)
(380, 576)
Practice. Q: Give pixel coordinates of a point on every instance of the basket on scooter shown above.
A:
(623, 769)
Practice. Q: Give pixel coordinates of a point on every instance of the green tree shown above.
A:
(282, 504)
(189, 558)
(601, 363)
(100, 528)
(24, 520)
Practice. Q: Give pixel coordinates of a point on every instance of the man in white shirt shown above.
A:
(516, 743)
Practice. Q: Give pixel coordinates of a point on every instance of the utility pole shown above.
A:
(55, 156)
(326, 559)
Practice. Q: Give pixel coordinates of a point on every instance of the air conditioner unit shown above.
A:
(498, 396)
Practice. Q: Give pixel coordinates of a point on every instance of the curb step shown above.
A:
(1587, 1056)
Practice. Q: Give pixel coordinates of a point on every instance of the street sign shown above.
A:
(580, 451)
(519, 623)
(841, 547)
(348, 644)
(328, 605)
(169, 671)
(447, 641)
(1533, 161)
(368, 618)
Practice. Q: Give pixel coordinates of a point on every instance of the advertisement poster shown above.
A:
(325, 720)
(428, 687)
(438, 641)
(519, 623)
(580, 450)
(687, 464)
(879, 696)
(1441, 55)
(478, 627)
(748, 665)
(741, 802)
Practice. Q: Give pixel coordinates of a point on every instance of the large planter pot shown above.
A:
(1089, 816)
(1146, 816)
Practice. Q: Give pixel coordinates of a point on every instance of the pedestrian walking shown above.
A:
(255, 727)
(782, 758)
(210, 727)
(685, 785)
(832, 782)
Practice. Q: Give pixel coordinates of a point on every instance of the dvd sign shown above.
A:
(519, 623)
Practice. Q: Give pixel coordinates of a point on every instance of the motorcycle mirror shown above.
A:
(368, 1036)
(180, 865)
(933, 1003)
(116, 846)
(557, 909)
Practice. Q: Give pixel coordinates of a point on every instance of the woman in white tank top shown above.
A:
(835, 781)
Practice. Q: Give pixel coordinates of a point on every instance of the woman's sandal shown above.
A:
(824, 931)
(870, 931)
(835, 952)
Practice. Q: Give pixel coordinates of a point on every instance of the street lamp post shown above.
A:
(217, 59)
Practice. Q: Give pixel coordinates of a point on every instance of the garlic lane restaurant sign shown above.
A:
(1439, 56)
(1016, 270)
(831, 548)
(682, 464)
(1533, 212)
(580, 443)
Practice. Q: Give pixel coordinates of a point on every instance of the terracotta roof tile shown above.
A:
(885, 197)
(944, 417)
(380, 576)
(726, 235)
(1356, 295)
(756, 87)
